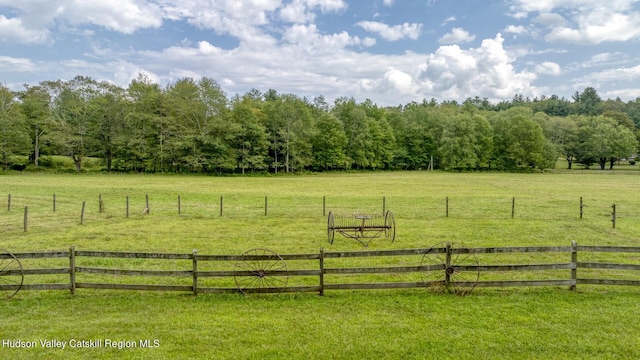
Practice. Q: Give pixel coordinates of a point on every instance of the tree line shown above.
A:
(192, 126)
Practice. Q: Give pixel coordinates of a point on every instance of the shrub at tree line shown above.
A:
(191, 126)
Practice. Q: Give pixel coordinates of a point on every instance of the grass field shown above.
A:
(542, 323)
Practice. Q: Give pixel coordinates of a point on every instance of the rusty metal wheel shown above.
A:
(389, 226)
(11, 275)
(452, 268)
(331, 226)
(260, 271)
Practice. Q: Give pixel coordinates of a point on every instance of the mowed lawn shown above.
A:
(484, 209)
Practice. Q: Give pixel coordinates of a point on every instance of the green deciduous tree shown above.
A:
(72, 117)
(36, 106)
(602, 139)
(13, 131)
(251, 142)
(329, 144)
(519, 141)
(466, 142)
(199, 110)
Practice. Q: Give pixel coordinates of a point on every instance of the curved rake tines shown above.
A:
(11, 275)
(260, 270)
(389, 226)
(451, 268)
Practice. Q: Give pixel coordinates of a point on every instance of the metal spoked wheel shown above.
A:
(331, 225)
(11, 275)
(261, 271)
(389, 226)
(450, 268)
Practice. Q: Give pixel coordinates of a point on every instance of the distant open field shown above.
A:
(544, 323)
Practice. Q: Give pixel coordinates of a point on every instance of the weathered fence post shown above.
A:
(147, 209)
(100, 204)
(384, 205)
(321, 291)
(127, 205)
(581, 206)
(574, 265)
(195, 272)
(84, 203)
(613, 215)
(513, 207)
(179, 210)
(9, 203)
(54, 202)
(265, 206)
(26, 218)
(446, 210)
(324, 206)
(72, 269)
(447, 261)
(220, 205)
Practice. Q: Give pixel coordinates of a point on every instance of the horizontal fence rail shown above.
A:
(263, 271)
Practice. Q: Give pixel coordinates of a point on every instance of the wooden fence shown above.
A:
(462, 208)
(447, 267)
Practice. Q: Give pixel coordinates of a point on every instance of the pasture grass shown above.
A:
(532, 323)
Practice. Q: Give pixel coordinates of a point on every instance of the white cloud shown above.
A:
(399, 81)
(125, 16)
(596, 29)
(519, 30)
(549, 19)
(550, 5)
(392, 33)
(486, 71)
(548, 68)
(631, 93)
(303, 11)
(612, 75)
(456, 36)
(309, 38)
(16, 64)
(388, 2)
(588, 22)
(14, 31)
(448, 20)
(519, 15)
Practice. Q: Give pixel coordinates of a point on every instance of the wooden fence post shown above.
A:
(581, 206)
(324, 206)
(613, 215)
(100, 204)
(72, 269)
(147, 209)
(447, 261)
(513, 207)
(9, 203)
(195, 272)
(54, 202)
(127, 205)
(84, 203)
(321, 291)
(384, 205)
(446, 209)
(220, 205)
(574, 264)
(179, 210)
(265, 206)
(26, 218)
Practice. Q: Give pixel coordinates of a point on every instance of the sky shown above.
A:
(389, 51)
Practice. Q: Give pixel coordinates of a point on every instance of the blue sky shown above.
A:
(390, 51)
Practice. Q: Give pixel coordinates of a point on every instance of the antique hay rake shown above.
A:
(359, 226)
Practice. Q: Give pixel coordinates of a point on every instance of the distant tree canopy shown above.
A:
(192, 126)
